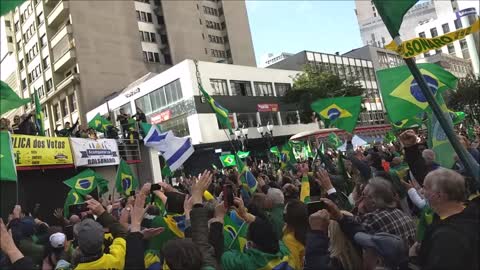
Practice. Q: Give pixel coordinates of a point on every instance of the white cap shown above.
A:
(57, 240)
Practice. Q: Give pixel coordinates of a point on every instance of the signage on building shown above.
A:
(265, 107)
(466, 12)
(38, 150)
(95, 153)
(132, 92)
(161, 117)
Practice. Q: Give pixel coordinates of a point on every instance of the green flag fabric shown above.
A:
(392, 12)
(220, 112)
(333, 140)
(125, 182)
(246, 177)
(99, 123)
(242, 154)
(102, 186)
(287, 156)
(401, 94)
(305, 190)
(8, 171)
(274, 150)
(437, 139)
(84, 182)
(166, 172)
(228, 160)
(342, 112)
(73, 197)
(234, 234)
(470, 132)
(390, 137)
(457, 117)
(38, 115)
(9, 5)
(9, 100)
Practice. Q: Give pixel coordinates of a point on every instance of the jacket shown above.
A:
(200, 235)
(452, 243)
(26, 127)
(22, 264)
(416, 163)
(116, 258)
(297, 249)
(252, 259)
(316, 251)
(135, 251)
(32, 250)
(276, 218)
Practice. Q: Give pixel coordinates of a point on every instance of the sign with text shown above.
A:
(265, 107)
(95, 153)
(38, 150)
(161, 117)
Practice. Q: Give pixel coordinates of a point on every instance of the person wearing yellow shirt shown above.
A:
(295, 230)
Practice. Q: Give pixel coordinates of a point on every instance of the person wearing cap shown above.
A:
(90, 235)
(57, 251)
(452, 240)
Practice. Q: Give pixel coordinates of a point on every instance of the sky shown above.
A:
(294, 26)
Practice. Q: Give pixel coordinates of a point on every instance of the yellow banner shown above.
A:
(37, 150)
(416, 46)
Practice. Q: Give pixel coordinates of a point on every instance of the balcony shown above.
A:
(68, 81)
(66, 30)
(58, 14)
(65, 61)
(63, 53)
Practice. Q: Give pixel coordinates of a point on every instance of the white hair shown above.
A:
(275, 195)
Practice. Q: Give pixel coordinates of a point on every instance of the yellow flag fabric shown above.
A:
(305, 190)
(416, 46)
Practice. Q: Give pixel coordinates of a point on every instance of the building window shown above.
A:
(49, 85)
(17, 25)
(164, 39)
(247, 120)
(40, 91)
(219, 87)
(46, 62)
(374, 14)
(144, 16)
(451, 48)
(138, 15)
(43, 41)
(438, 51)
(241, 88)
(20, 64)
(445, 28)
(40, 18)
(23, 84)
(56, 110)
(152, 57)
(458, 24)
(149, 17)
(63, 106)
(269, 118)
(160, 98)
(434, 32)
(210, 11)
(160, 19)
(213, 25)
(72, 102)
(421, 34)
(263, 88)
(215, 39)
(168, 59)
(463, 44)
(282, 88)
(218, 53)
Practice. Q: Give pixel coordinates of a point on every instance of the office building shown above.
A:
(76, 53)
(381, 58)
(348, 68)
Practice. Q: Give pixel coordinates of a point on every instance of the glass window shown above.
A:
(282, 88)
(463, 44)
(40, 91)
(49, 85)
(263, 88)
(434, 32)
(156, 57)
(56, 109)
(138, 15)
(445, 28)
(289, 118)
(247, 119)
(150, 57)
(219, 87)
(63, 105)
(149, 17)
(46, 62)
(144, 104)
(24, 83)
(168, 93)
(72, 101)
(43, 41)
(451, 48)
(458, 24)
(421, 34)
(241, 88)
(268, 118)
(40, 18)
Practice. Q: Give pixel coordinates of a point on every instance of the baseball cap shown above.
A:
(57, 240)
(390, 247)
(90, 236)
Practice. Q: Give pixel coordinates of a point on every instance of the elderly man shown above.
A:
(379, 212)
(452, 240)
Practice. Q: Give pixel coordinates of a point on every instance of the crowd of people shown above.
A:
(25, 125)
(382, 207)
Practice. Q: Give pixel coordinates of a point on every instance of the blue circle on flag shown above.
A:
(126, 183)
(333, 113)
(417, 92)
(84, 183)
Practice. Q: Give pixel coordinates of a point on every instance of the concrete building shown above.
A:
(252, 95)
(459, 67)
(349, 68)
(270, 59)
(381, 58)
(75, 53)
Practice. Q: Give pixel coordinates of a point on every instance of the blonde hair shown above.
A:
(342, 249)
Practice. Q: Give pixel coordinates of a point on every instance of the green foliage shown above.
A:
(314, 84)
(466, 98)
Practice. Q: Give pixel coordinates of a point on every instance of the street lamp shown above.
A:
(241, 137)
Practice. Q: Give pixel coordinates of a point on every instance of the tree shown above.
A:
(314, 84)
(466, 98)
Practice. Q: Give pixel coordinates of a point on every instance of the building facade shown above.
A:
(271, 58)
(349, 68)
(252, 95)
(75, 53)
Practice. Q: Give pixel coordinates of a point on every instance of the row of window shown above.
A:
(148, 36)
(243, 88)
(34, 74)
(218, 53)
(29, 33)
(61, 109)
(216, 39)
(26, 13)
(212, 11)
(215, 25)
(151, 57)
(254, 119)
(144, 16)
(160, 98)
(31, 53)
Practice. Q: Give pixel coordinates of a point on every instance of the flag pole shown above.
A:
(462, 153)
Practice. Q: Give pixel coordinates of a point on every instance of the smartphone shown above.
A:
(313, 207)
(175, 202)
(68, 232)
(228, 196)
(78, 208)
(154, 187)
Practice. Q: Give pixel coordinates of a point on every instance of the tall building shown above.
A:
(348, 68)
(75, 53)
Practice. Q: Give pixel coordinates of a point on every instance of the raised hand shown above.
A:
(324, 179)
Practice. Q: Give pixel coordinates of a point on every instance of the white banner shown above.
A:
(95, 153)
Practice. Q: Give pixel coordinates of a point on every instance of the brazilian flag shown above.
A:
(234, 232)
(341, 112)
(228, 160)
(84, 182)
(174, 228)
(287, 156)
(99, 123)
(401, 93)
(333, 140)
(437, 139)
(73, 197)
(220, 112)
(125, 181)
(305, 190)
(274, 150)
